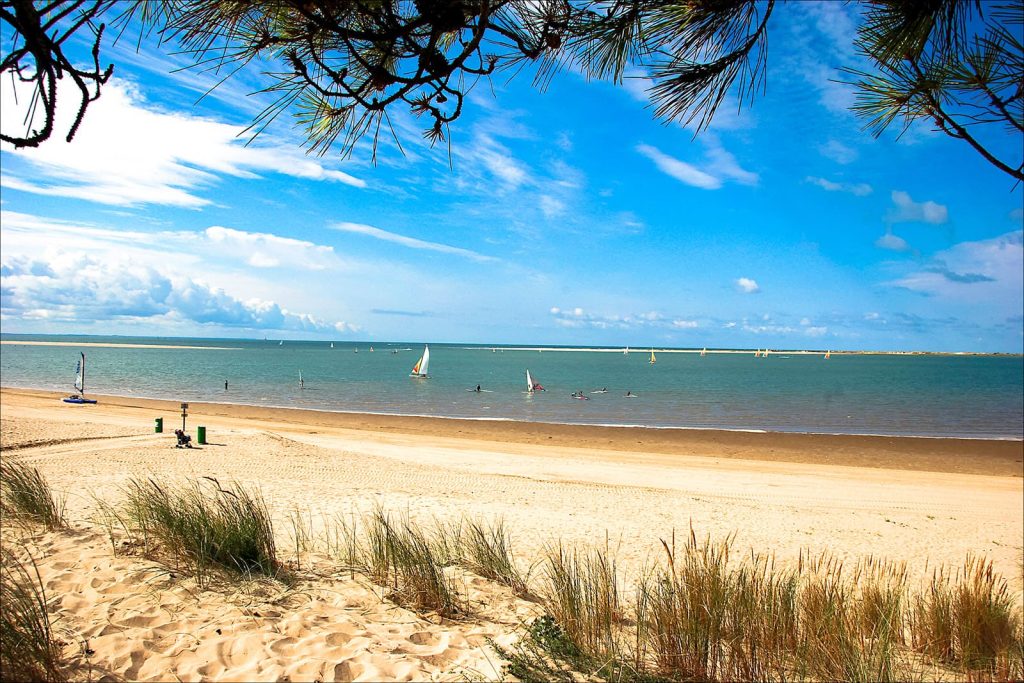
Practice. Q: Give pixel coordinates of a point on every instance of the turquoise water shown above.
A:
(975, 396)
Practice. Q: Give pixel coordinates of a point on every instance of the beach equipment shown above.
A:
(79, 384)
(420, 369)
(159, 426)
(201, 434)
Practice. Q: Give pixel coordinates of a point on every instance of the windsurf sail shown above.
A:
(653, 360)
(420, 369)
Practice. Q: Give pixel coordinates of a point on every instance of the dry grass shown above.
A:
(25, 496)
(28, 650)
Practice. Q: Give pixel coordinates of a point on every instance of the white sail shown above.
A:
(80, 375)
(529, 383)
(653, 360)
(420, 369)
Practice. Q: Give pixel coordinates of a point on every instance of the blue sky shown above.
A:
(569, 216)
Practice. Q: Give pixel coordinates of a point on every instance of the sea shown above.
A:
(927, 395)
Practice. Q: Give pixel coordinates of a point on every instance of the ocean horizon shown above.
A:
(927, 394)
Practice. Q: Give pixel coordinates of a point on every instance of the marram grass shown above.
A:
(205, 525)
(25, 496)
(28, 649)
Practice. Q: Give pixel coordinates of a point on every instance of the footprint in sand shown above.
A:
(424, 638)
(347, 671)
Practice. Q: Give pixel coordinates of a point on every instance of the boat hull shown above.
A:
(76, 399)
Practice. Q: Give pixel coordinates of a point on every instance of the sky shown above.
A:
(568, 215)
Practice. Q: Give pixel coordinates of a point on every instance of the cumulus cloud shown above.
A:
(73, 288)
(747, 285)
(858, 189)
(907, 210)
(128, 153)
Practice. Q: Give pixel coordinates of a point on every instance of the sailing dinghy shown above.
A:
(420, 369)
(532, 386)
(653, 360)
(79, 385)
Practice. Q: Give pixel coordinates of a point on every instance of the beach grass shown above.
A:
(28, 649)
(487, 551)
(402, 556)
(25, 496)
(205, 525)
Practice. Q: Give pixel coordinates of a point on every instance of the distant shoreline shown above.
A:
(117, 346)
(539, 348)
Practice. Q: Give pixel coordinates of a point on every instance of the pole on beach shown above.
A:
(184, 414)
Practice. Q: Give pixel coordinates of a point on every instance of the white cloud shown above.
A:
(892, 242)
(747, 286)
(411, 242)
(838, 152)
(907, 210)
(127, 153)
(986, 273)
(551, 207)
(719, 166)
(577, 317)
(85, 289)
(858, 189)
(680, 170)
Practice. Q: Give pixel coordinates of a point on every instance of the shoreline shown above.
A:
(994, 457)
(509, 420)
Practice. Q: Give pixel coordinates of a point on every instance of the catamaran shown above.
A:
(532, 386)
(79, 385)
(420, 369)
(653, 360)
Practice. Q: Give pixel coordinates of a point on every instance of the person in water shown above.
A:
(477, 388)
(630, 394)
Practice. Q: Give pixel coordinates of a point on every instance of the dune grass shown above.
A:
(28, 649)
(487, 551)
(402, 556)
(206, 526)
(25, 496)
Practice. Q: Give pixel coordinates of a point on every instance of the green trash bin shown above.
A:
(159, 425)
(201, 434)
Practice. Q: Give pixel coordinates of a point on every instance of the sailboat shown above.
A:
(79, 385)
(420, 369)
(653, 360)
(765, 354)
(828, 354)
(626, 351)
(704, 351)
(532, 386)
(332, 345)
(757, 353)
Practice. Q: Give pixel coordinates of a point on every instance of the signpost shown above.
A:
(184, 414)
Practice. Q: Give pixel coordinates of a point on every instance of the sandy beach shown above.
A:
(926, 502)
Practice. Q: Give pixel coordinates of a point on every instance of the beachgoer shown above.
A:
(477, 388)
(225, 385)
(629, 393)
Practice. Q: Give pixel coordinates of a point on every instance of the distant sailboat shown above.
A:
(332, 345)
(79, 384)
(371, 349)
(625, 352)
(828, 355)
(765, 354)
(653, 360)
(704, 351)
(757, 353)
(532, 386)
(420, 369)
(281, 343)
